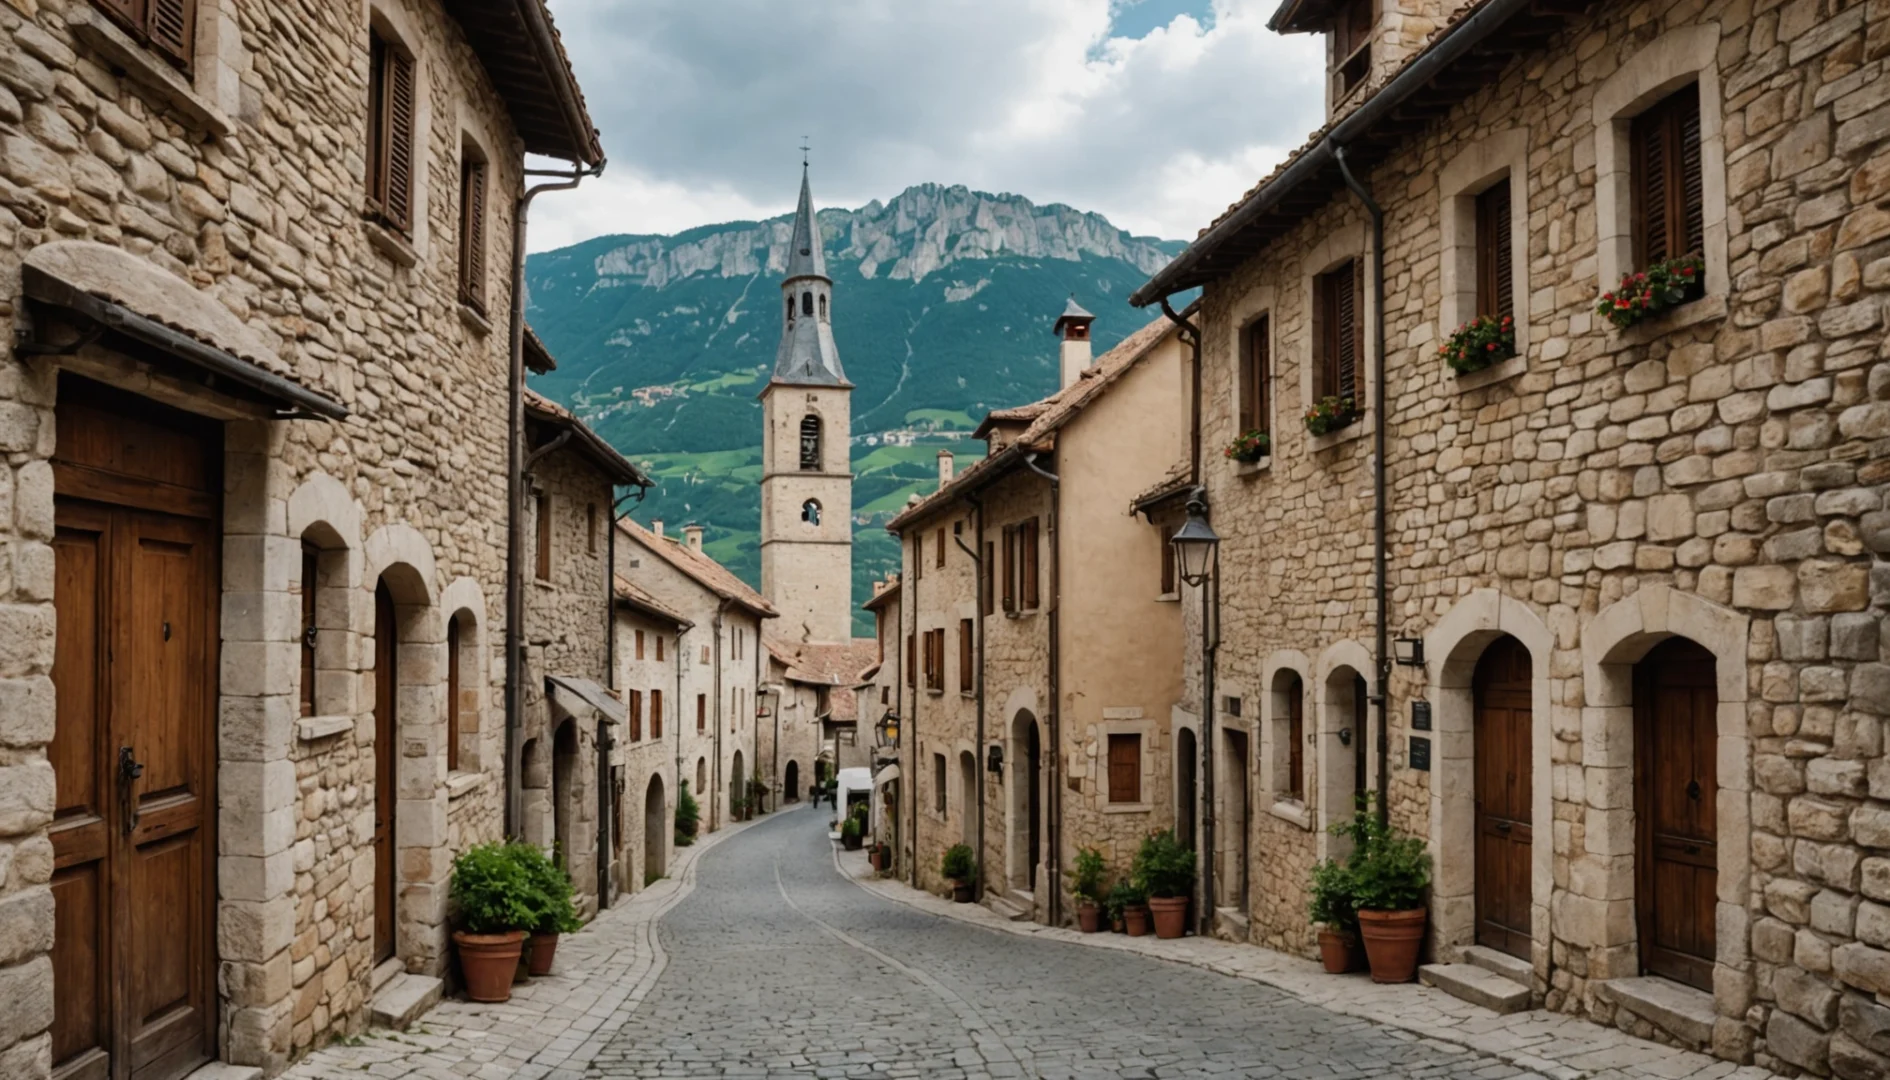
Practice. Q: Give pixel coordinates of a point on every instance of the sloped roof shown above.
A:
(519, 47)
(585, 441)
(699, 568)
(639, 599)
(826, 663)
(883, 597)
(1175, 482)
(1051, 414)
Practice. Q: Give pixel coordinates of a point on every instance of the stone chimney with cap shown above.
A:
(692, 537)
(944, 468)
(1074, 356)
(657, 528)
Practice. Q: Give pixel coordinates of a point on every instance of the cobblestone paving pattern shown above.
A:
(780, 967)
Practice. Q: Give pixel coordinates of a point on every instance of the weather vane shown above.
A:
(805, 147)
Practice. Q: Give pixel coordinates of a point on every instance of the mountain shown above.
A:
(943, 302)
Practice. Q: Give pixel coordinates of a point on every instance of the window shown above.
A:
(705, 655)
(1125, 768)
(912, 660)
(810, 511)
(1256, 373)
(1351, 47)
(1010, 568)
(966, 659)
(702, 712)
(918, 557)
(1169, 587)
(1494, 281)
(543, 525)
(885, 695)
(310, 556)
(790, 309)
(1341, 333)
(1027, 541)
(659, 648)
(987, 588)
(940, 557)
(1669, 196)
(823, 307)
(636, 715)
(656, 714)
(807, 303)
(1296, 740)
(590, 527)
(452, 695)
(472, 234)
(392, 98)
(935, 659)
(167, 26)
(938, 783)
(640, 644)
(810, 444)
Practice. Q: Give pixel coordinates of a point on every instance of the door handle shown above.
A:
(129, 770)
(1502, 826)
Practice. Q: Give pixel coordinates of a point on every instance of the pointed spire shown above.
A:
(805, 256)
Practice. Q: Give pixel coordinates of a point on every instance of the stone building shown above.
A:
(705, 711)
(1644, 565)
(1042, 632)
(643, 774)
(821, 713)
(256, 273)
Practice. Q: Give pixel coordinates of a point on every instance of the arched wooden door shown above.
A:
(1676, 850)
(386, 767)
(1502, 768)
(793, 781)
(1186, 754)
(655, 831)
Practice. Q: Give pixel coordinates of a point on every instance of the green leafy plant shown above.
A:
(959, 863)
(688, 812)
(737, 805)
(554, 912)
(1163, 867)
(1331, 901)
(1331, 414)
(850, 829)
(1250, 447)
(1123, 896)
(492, 892)
(1666, 284)
(1477, 344)
(1086, 876)
(1388, 870)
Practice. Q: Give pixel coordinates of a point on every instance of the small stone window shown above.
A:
(1256, 378)
(938, 784)
(823, 307)
(1341, 337)
(1125, 768)
(472, 232)
(810, 444)
(810, 512)
(168, 27)
(807, 303)
(1668, 191)
(393, 103)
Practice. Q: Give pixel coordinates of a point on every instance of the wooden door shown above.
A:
(386, 767)
(133, 752)
(1361, 724)
(1502, 690)
(1676, 728)
(1035, 764)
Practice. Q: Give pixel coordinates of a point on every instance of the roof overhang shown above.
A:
(589, 444)
(572, 692)
(522, 55)
(118, 293)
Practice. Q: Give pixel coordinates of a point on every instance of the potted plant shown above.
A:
(1164, 869)
(851, 834)
(757, 796)
(551, 900)
(1479, 343)
(495, 901)
(960, 864)
(737, 808)
(1330, 414)
(1331, 909)
(688, 816)
(1121, 898)
(1135, 912)
(1664, 285)
(1250, 447)
(1086, 885)
(1389, 872)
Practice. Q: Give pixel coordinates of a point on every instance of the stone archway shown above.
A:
(791, 782)
(737, 787)
(1024, 843)
(1345, 763)
(656, 829)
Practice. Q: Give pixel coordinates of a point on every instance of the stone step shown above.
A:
(385, 973)
(1471, 983)
(1682, 1011)
(1230, 925)
(1008, 906)
(403, 1000)
(1497, 962)
(223, 1070)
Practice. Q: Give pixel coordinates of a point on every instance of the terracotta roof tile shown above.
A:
(705, 571)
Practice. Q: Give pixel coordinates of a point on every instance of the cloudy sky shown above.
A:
(1155, 113)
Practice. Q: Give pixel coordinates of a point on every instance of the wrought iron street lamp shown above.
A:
(1197, 547)
(887, 731)
(1196, 543)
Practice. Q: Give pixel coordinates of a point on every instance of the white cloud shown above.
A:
(703, 102)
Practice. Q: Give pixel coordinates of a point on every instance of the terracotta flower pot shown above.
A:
(1170, 914)
(1136, 919)
(851, 843)
(961, 892)
(1392, 941)
(1117, 926)
(1089, 917)
(544, 948)
(1338, 951)
(487, 963)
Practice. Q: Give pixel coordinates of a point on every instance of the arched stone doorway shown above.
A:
(791, 781)
(1502, 691)
(1676, 846)
(656, 829)
(564, 774)
(1187, 793)
(737, 787)
(1026, 809)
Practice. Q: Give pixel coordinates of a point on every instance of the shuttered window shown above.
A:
(168, 27)
(1669, 201)
(636, 715)
(543, 527)
(1494, 292)
(472, 236)
(702, 712)
(935, 659)
(656, 714)
(1168, 561)
(659, 648)
(912, 660)
(1256, 374)
(941, 546)
(965, 657)
(310, 556)
(393, 96)
(1341, 334)
(452, 695)
(1010, 568)
(639, 644)
(1295, 741)
(1125, 768)
(938, 783)
(1027, 540)
(918, 557)
(987, 588)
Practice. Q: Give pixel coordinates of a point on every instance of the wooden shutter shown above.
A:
(918, 557)
(1027, 536)
(1010, 568)
(912, 660)
(1125, 768)
(1691, 196)
(1295, 742)
(659, 648)
(1244, 395)
(171, 26)
(1351, 331)
(543, 526)
(1669, 207)
(965, 657)
(401, 105)
(702, 712)
(1168, 560)
(639, 644)
(941, 546)
(987, 589)
(1494, 292)
(1255, 365)
(656, 714)
(636, 715)
(310, 555)
(130, 12)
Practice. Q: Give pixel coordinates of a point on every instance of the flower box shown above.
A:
(1661, 287)
(1330, 414)
(1251, 447)
(1480, 343)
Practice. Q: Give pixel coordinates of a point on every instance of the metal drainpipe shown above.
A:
(1191, 334)
(515, 495)
(715, 685)
(1210, 652)
(1380, 418)
(912, 778)
(677, 727)
(1053, 911)
(977, 560)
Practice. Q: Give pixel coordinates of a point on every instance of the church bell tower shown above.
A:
(806, 472)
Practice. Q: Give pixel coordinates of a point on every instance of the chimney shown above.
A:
(1074, 355)
(692, 536)
(657, 528)
(944, 468)
(879, 586)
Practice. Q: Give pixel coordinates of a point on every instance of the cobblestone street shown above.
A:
(762, 959)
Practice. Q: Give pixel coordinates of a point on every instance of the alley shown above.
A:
(779, 966)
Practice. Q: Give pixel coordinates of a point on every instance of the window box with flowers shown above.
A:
(1665, 285)
(1329, 414)
(1250, 448)
(1479, 344)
